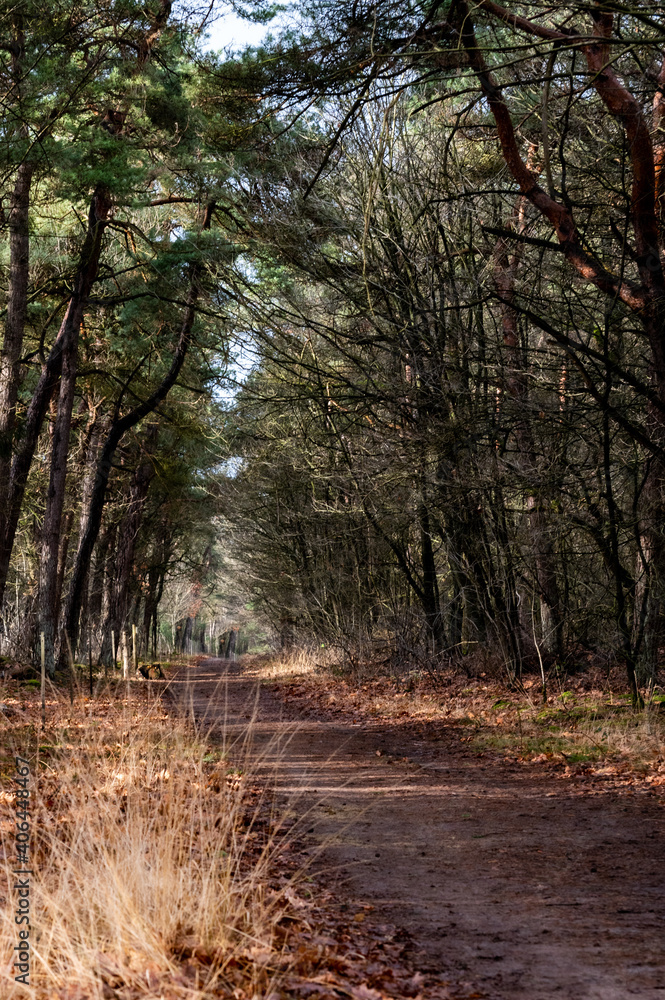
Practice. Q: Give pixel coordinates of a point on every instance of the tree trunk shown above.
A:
(48, 566)
(124, 653)
(19, 274)
(71, 325)
(649, 631)
(431, 605)
(231, 644)
(106, 570)
(65, 344)
(186, 633)
(516, 384)
(286, 635)
(117, 617)
(17, 308)
(62, 556)
(152, 596)
(119, 427)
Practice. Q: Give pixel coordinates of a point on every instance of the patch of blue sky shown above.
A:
(219, 26)
(231, 31)
(244, 358)
(230, 467)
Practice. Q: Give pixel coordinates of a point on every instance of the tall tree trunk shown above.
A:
(48, 565)
(117, 617)
(106, 572)
(186, 634)
(649, 629)
(62, 556)
(69, 331)
(85, 473)
(158, 597)
(17, 309)
(64, 344)
(431, 604)
(650, 624)
(151, 600)
(516, 384)
(231, 644)
(119, 427)
(19, 273)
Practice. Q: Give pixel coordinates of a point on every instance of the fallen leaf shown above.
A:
(366, 993)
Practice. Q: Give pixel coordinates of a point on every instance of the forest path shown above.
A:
(527, 886)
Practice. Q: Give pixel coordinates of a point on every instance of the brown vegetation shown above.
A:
(161, 865)
(586, 725)
(149, 870)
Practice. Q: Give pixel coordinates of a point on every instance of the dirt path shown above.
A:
(524, 885)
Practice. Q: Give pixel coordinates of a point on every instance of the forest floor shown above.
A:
(527, 876)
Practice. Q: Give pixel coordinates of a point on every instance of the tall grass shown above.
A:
(147, 874)
(293, 662)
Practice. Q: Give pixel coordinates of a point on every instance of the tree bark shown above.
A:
(117, 617)
(505, 272)
(17, 309)
(64, 345)
(69, 334)
(119, 427)
(62, 556)
(431, 604)
(19, 273)
(231, 644)
(48, 565)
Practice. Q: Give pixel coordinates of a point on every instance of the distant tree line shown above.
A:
(116, 226)
(454, 434)
(437, 231)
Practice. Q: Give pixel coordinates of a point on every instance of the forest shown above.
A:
(354, 337)
(332, 499)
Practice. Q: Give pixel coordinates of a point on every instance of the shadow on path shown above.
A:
(530, 886)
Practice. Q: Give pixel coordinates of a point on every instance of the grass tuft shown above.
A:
(149, 877)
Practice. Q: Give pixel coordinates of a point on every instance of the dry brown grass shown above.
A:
(150, 879)
(294, 662)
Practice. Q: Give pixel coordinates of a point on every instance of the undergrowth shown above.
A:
(586, 718)
(149, 878)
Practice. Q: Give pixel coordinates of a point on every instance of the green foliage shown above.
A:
(438, 447)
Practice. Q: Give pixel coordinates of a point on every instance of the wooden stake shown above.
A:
(124, 646)
(42, 644)
(125, 659)
(90, 660)
(71, 669)
(113, 649)
(135, 658)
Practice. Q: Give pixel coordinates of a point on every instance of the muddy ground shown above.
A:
(511, 883)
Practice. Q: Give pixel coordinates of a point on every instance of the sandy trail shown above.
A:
(526, 886)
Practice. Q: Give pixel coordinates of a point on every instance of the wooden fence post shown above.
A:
(125, 654)
(71, 668)
(42, 643)
(90, 659)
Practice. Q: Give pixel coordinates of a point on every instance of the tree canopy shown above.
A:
(435, 233)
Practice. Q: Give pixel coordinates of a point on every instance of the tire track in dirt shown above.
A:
(527, 886)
